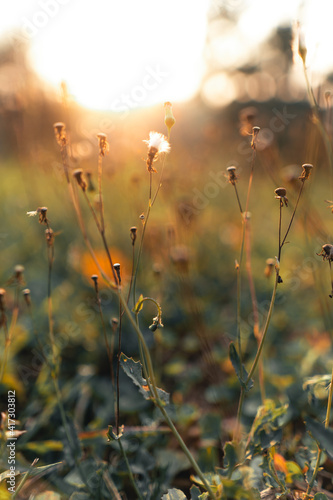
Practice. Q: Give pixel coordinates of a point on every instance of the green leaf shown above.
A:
(239, 368)
(33, 471)
(195, 493)
(323, 435)
(134, 371)
(230, 457)
(174, 494)
(320, 496)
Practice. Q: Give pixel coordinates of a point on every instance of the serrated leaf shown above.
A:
(239, 368)
(323, 435)
(133, 370)
(174, 494)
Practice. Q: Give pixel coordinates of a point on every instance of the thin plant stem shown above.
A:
(101, 204)
(118, 367)
(238, 200)
(150, 204)
(320, 451)
(137, 491)
(257, 357)
(291, 219)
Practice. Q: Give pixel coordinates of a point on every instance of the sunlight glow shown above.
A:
(124, 55)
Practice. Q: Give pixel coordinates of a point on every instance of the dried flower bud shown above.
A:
(326, 252)
(142, 218)
(116, 267)
(232, 177)
(94, 277)
(49, 235)
(60, 133)
(26, 295)
(78, 175)
(270, 264)
(307, 168)
(255, 132)
(281, 194)
(18, 274)
(133, 231)
(114, 323)
(169, 119)
(328, 95)
(102, 144)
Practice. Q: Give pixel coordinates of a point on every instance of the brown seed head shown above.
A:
(60, 133)
(102, 144)
(232, 177)
(281, 194)
(26, 295)
(326, 252)
(133, 231)
(78, 175)
(307, 168)
(42, 215)
(116, 267)
(255, 132)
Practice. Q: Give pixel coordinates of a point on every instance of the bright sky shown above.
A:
(122, 54)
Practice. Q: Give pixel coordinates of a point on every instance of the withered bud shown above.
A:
(78, 175)
(114, 323)
(60, 133)
(307, 168)
(94, 277)
(232, 177)
(255, 132)
(270, 264)
(102, 144)
(91, 186)
(281, 194)
(326, 252)
(133, 231)
(328, 95)
(18, 274)
(42, 215)
(116, 267)
(49, 235)
(142, 218)
(26, 295)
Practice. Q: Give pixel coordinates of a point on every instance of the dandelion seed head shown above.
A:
(158, 141)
